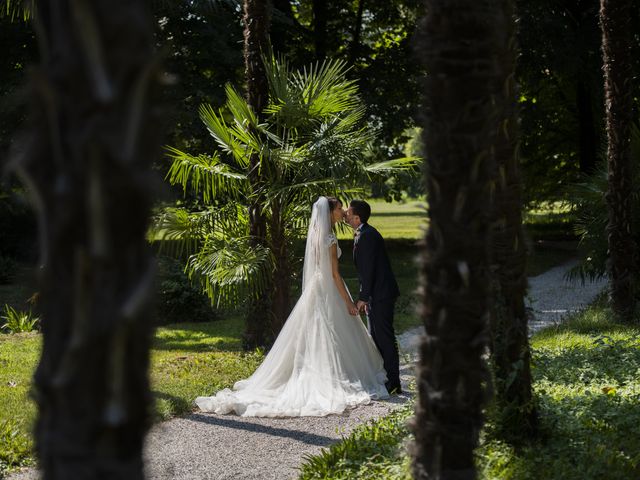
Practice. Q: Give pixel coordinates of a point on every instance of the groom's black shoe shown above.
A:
(393, 388)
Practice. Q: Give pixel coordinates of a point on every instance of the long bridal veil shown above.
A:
(323, 360)
(317, 263)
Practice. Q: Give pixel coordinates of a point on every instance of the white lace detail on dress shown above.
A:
(333, 240)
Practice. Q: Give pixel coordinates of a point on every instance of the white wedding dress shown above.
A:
(323, 361)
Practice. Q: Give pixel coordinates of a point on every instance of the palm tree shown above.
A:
(310, 141)
(615, 18)
(510, 345)
(86, 164)
(460, 44)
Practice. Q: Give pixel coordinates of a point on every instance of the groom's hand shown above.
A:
(362, 306)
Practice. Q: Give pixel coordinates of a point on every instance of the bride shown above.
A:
(324, 360)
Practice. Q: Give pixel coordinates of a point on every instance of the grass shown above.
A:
(18, 356)
(587, 385)
(187, 360)
(192, 359)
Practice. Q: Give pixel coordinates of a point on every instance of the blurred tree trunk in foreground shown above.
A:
(86, 164)
(461, 43)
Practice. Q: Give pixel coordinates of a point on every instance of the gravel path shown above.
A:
(550, 299)
(207, 446)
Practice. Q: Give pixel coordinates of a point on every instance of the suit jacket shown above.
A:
(377, 281)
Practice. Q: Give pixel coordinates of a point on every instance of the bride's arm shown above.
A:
(337, 278)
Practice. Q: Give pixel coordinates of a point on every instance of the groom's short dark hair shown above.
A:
(361, 209)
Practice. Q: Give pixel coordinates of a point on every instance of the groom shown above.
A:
(378, 288)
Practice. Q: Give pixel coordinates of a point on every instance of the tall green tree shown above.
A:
(615, 22)
(511, 356)
(461, 47)
(86, 163)
(311, 140)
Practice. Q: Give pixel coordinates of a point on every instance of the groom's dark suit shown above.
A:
(379, 288)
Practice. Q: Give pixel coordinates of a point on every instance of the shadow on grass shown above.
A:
(223, 335)
(174, 406)
(248, 424)
(585, 437)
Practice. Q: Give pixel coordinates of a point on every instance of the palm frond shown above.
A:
(231, 270)
(224, 135)
(206, 174)
(394, 166)
(181, 232)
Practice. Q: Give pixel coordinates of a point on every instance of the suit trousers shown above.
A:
(380, 320)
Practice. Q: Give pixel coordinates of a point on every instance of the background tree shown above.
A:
(511, 356)
(615, 21)
(86, 165)
(461, 43)
(311, 141)
(256, 22)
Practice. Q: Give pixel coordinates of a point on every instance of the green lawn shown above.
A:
(187, 360)
(587, 387)
(396, 220)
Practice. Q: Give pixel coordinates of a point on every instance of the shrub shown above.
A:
(178, 300)
(19, 322)
(592, 215)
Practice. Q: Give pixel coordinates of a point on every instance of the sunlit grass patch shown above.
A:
(18, 357)
(374, 450)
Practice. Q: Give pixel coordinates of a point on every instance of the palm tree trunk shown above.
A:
(354, 50)
(615, 18)
(281, 293)
(256, 37)
(510, 344)
(320, 28)
(87, 167)
(460, 42)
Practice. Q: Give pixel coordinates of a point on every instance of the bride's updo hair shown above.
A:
(333, 203)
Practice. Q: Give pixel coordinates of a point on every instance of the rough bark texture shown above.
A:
(615, 18)
(281, 293)
(87, 165)
(460, 44)
(256, 36)
(510, 343)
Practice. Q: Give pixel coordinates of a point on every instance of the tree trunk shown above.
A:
(320, 28)
(354, 50)
(87, 167)
(461, 40)
(256, 37)
(281, 293)
(588, 137)
(517, 418)
(615, 17)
